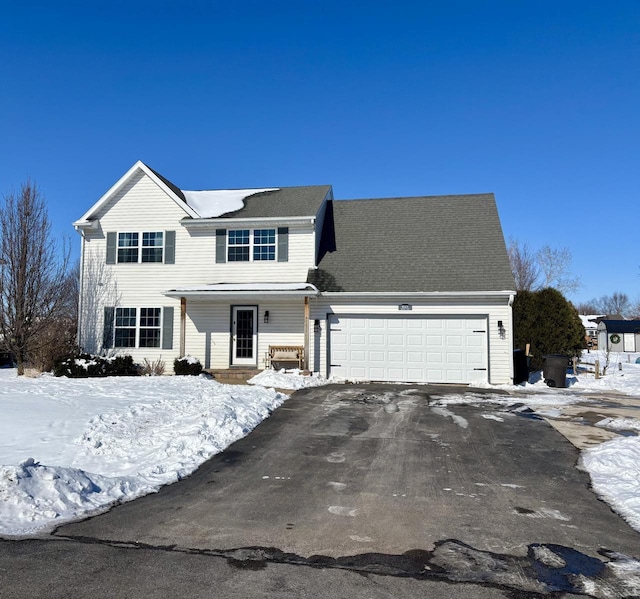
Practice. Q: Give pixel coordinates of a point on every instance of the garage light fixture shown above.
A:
(266, 316)
(316, 326)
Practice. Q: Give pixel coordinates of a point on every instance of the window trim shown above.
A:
(252, 245)
(139, 247)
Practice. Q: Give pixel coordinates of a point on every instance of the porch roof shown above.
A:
(243, 289)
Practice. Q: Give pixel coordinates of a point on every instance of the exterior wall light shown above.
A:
(316, 326)
(266, 316)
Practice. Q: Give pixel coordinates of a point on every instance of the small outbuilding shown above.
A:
(619, 335)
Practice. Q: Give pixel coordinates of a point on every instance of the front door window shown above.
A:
(244, 337)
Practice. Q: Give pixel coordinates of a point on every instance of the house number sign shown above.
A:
(405, 307)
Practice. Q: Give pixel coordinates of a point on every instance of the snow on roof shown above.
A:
(216, 202)
(589, 320)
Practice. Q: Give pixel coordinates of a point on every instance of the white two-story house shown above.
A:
(405, 289)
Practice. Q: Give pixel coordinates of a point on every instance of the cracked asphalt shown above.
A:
(353, 491)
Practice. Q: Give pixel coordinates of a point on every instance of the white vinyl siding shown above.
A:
(209, 325)
(142, 206)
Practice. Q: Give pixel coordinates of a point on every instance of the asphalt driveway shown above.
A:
(379, 479)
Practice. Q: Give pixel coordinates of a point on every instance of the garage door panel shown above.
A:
(396, 374)
(475, 359)
(418, 348)
(475, 341)
(358, 339)
(395, 357)
(395, 339)
(415, 374)
(454, 357)
(415, 356)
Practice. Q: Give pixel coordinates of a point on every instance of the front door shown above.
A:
(244, 335)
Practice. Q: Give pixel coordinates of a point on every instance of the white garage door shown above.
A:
(412, 349)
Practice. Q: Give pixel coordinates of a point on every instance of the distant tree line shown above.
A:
(38, 287)
(616, 303)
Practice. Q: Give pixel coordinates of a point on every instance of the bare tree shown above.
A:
(634, 311)
(547, 267)
(523, 266)
(33, 276)
(616, 303)
(555, 266)
(99, 289)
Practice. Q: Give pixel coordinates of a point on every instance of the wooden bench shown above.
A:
(278, 355)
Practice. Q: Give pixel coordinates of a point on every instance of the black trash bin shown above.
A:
(554, 370)
(520, 367)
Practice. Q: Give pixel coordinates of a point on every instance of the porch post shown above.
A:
(306, 333)
(183, 320)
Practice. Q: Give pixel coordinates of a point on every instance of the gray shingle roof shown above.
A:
(168, 183)
(283, 202)
(286, 201)
(418, 244)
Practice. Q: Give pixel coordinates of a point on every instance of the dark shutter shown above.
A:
(111, 248)
(283, 244)
(169, 247)
(221, 245)
(107, 332)
(167, 328)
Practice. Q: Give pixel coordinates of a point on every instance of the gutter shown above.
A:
(420, 294)
(206, 223)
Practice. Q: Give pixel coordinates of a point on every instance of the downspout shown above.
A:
(511, 367)
(183, 321)
(306, 332)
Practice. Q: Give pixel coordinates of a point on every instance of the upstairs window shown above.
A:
(238, 250)
(140, 247)
(129, 249)
(264, 244)
(245, 245)
(152, 247)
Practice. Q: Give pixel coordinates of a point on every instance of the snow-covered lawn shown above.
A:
(70, 447)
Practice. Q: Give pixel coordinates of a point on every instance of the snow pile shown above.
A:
(614, 468)
(287, 379)
(620, 424)
(214, 203)
(81, 445)
(34, 497)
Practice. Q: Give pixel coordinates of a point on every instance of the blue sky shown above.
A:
(537, 102)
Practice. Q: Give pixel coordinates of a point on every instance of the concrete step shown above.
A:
(238, 376)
